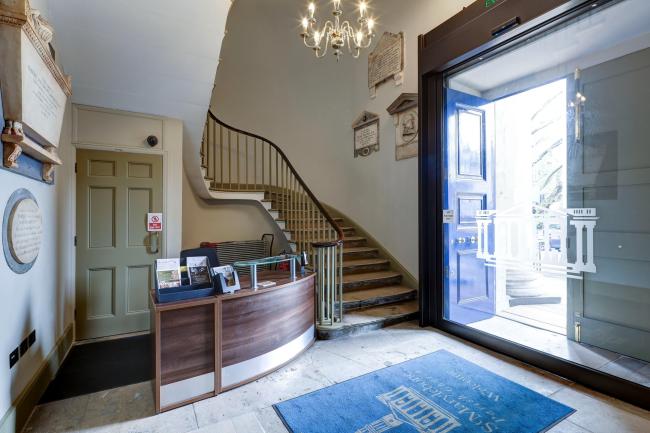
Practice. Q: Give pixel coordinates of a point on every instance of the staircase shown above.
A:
(240, 165)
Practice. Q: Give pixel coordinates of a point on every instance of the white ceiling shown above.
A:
(149, 56)
(595, 38)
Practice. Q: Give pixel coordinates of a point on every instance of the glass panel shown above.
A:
(547, 177)
(267, 260)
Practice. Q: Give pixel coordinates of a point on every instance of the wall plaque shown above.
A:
(34, 91)
(366, 134)
(405, 117)
(22, 231)
(386, 61)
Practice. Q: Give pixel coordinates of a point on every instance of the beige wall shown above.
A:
(223, 220)
(269, 83)
(124, 131)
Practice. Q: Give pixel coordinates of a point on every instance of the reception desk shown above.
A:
(207, 346)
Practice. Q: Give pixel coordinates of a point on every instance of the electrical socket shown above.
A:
(13, 358)
(24, 346)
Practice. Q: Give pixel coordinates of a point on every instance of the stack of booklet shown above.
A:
(170, 273)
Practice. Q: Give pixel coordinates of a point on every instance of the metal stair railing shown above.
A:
(236, 160)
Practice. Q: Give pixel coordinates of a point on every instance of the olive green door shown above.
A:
(115, 253)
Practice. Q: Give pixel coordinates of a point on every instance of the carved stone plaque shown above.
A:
(22, 231)
(405, 117)
(386, 61)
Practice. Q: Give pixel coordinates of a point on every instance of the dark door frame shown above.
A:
(482, 30)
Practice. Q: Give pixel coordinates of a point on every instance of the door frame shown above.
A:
(170, 148)
(482, 30)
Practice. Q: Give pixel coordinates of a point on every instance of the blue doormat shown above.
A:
(436, 393)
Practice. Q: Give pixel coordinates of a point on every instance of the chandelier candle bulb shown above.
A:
(337, 33)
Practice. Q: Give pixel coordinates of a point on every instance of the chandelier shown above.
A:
(338, 34)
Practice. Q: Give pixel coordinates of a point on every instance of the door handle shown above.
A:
(153, 245)
(460, 241)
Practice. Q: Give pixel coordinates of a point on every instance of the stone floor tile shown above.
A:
(601, 414)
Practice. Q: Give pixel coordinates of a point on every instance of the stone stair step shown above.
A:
(377, 296)
(367, 280)
(365, 265)
(348, 241)
(368, 319)
(350, 253)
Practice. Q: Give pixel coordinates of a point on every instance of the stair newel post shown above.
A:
(329, 284)
(340, 269)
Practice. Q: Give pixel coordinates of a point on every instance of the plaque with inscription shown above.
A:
(22, 231)
(34, 92)
(386, 61)
(366, 134)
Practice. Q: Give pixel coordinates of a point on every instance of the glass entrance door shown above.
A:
(545, 192)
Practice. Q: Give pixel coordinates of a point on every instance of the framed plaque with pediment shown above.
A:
(386, 61)
(405, 117)
(366, 134)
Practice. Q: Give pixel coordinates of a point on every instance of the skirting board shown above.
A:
(14, 420)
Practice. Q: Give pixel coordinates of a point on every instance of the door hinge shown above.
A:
(576, 335)
(75, 167)
(75, 240)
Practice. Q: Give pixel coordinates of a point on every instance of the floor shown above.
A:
(559, 345)
(122, 361)
(248, 409)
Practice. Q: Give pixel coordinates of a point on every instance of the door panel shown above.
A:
(612, 174)
(115, 191)
(469, 284)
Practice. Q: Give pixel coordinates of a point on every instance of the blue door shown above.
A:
(469, 154)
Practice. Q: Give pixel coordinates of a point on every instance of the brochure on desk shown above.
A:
(227, 277)
(183, 278)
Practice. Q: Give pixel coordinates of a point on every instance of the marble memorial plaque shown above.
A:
(25, 231)
(386, 61)
(43, 98)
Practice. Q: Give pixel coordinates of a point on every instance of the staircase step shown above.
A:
(347, 231)
(368, 319)
(350, 253)
(348, 241)
(365, 265)
(377, 296)
(367, 280)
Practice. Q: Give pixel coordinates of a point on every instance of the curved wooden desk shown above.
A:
(210, 345)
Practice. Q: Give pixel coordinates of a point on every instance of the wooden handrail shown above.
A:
(290, 166)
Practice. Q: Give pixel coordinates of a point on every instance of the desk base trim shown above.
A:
(187, 389)
(250, 369)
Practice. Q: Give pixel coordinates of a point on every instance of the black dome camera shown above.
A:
(152, 140)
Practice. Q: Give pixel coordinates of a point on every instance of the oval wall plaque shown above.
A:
(22, 231)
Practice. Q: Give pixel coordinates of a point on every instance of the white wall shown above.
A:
(225, 220)
(43, 298)
(270, 84)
